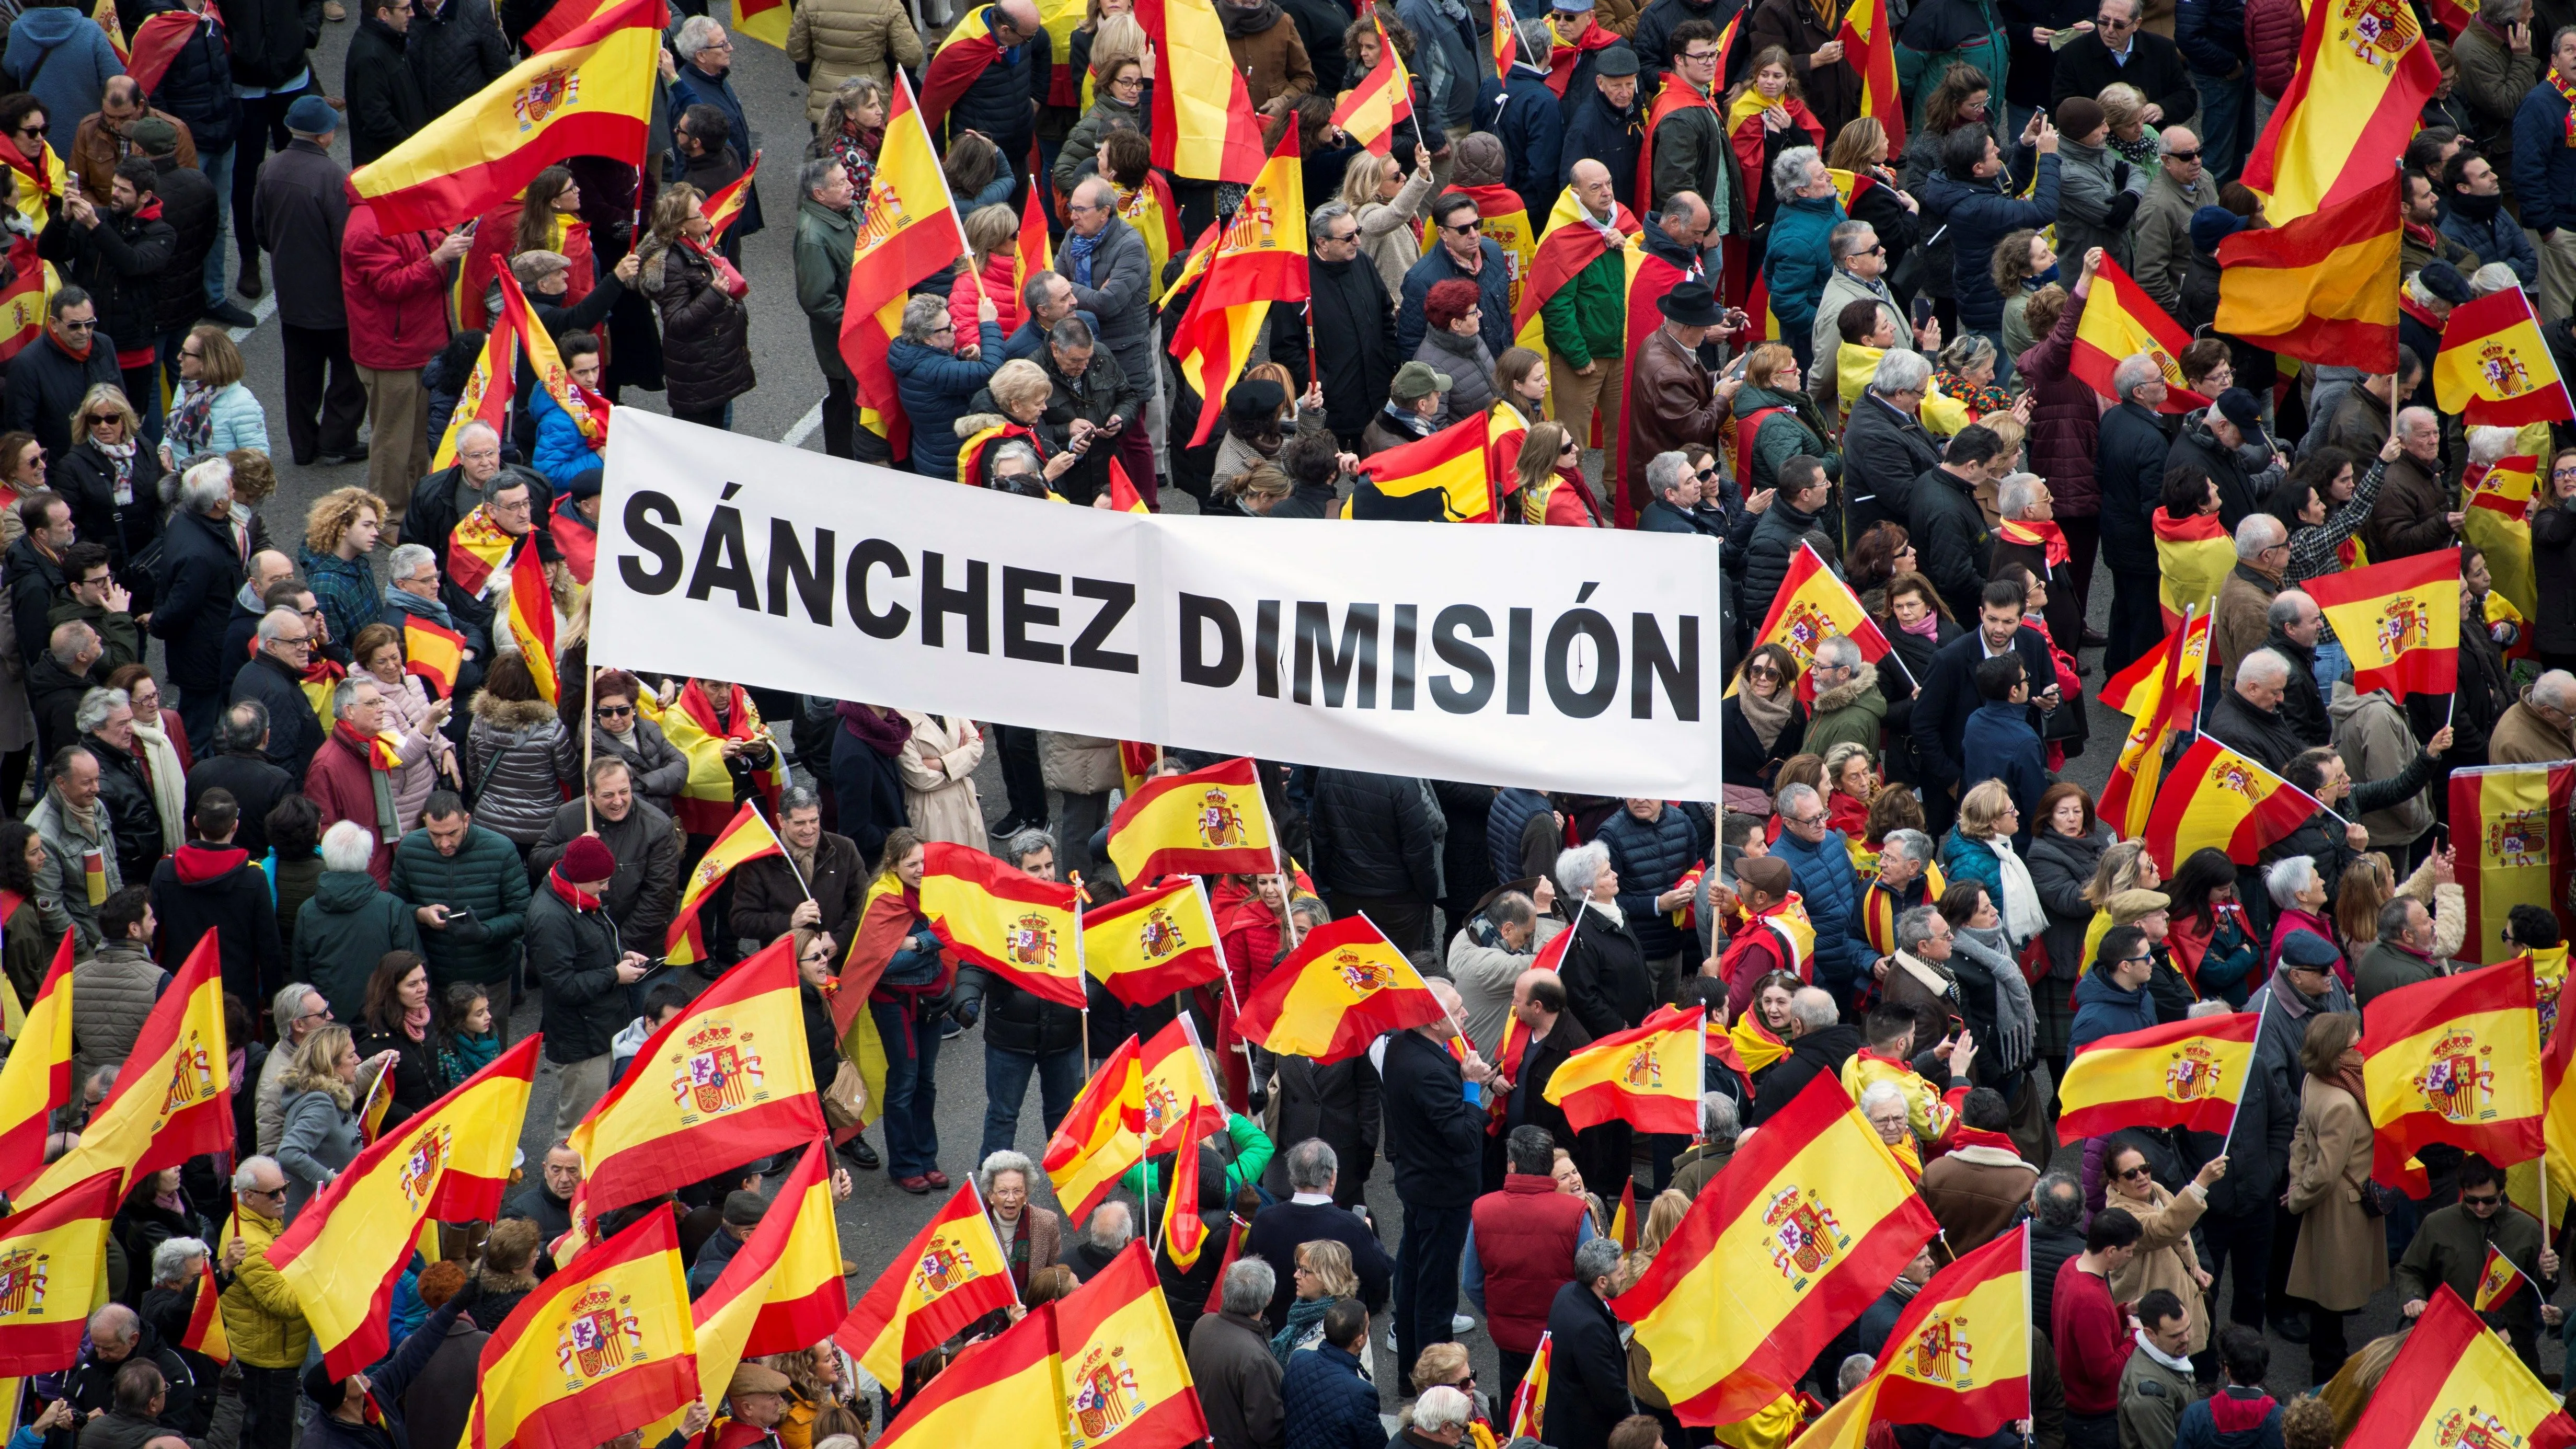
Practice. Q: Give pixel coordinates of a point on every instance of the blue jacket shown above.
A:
(2544, 165)
(75, 59)
(693, 86)
(1795, 261)
(935, 389)
(1493, 283)
(1448, 60)
(1830, 887)
(561, 449)
(1978, 214)
(1649, 858)
(1999, 744)
(2102, 1009)
(2199, 1427)
(2495, 239)
(1504, 820)
(1329, 1406)
(1530, 121)
(1964, 858)
(2211, 36)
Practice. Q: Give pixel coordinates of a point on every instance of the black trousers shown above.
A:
(840, 417)
(2137, 620)
(1426, 1280)
(2245, 1243)
(263, 129)
(2326, 1350)
(1515, 1368)
(340, 405)
(1023, 783)
(268, 1406)
(710, 418)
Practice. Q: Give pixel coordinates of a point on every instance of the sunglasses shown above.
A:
(2482, 1202)
(1466, 228)
(2134, 1174)
(101, 420)
(615, 711)
(1762, 672)
(2182, 155)
(1568, 447)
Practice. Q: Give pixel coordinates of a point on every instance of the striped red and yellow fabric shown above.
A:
(36, 1077)
(2322, 288)
(1145, 946)
(1260, 258)
(2456, 1384)
(434, 652)
(1005, 1390)
(1814, 605)
(724, 206)
(1449, 464)
(1810, 1221)
(782, 1290)
(205, 1331)
(1099, 1138)
(53, 1271)
(1648, 1076)
(2509, 824)
(1204, 125)
(1378, 101)
(605, 1346)
(951, 1273)
(1005, 920)
(2453, 1060)
(1211, 821)
(908, 229)
(1529, 1402)
(1123, 1374)
(2364, 73)
(1180, 1099)
(172, 1102)
(1959, 1356)
(2161, 696)
(2214, 796)
(1567, 243)
(2399, 620)
(2494, 370)
(2498, 1280)
(1868, 35)
(448, 1162)
(746, 838)
(1343, 987)
(2189, 1074)
(690, 723)
(2120, 321)
(532, 619)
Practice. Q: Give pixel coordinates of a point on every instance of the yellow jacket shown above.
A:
(261, 1314)
(1926, 1111)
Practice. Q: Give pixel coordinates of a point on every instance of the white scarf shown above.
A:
(168, 780)
(1618, 917)
(2024, 917)
(2180, 1365)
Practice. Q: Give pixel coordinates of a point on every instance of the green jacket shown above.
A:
(1783, 436)
(1252, 1149)
(824, 241)
(484, 876)
(1691, 154)
(2451, 1247)
(120, 641)
(1588, 317)
(1853, 711)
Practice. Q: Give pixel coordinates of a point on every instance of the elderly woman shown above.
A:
(1883, 1103)
(318, 1092)
(1607, 985)
(1323, 1275)
(706, 344)
(938, 378)
(1786, 421)
(2298, 891)
(177, 1267)
(2342, 1254)
(1012, 408)
(1851, 780)
(412, 717)
(1453, 346)
(1386, 195)
(1967, 372)
(1763, 723)
(113, 484)
(1980, 848)
(340, 530)
(2166, 1257)
(1029, 1234)
(2126, 109)
(162, 744)
(214, 411)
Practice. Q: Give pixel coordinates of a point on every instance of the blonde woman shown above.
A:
(1256, 490)
(1322, 1275)
(113, 484)
(320, 1136)
(1121, 70)
(2124, 866)
(1551, 487)
(1388, 204)
(1662, 1217)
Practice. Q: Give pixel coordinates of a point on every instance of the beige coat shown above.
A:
(846, 38)
(938, 765)
(2165, 1257)
(1078, 764)
(2343, 1252)
(1391, 231)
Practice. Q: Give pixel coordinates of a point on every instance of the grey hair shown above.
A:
(2285, 609)
(2555, 688)
(1666, 472)
(246, 1176)
(2018, 494)
(1844, 241)
(696, 34)
(1536, 38)
(1899, 370)
(2488, 444)
(798, 797)
(288, 1004)
(1249, 1282)
(1444, 1406)
(1913, 844)
(171, 1259)
(116, 1323)
(2492, 278)
(1914, 927)
(1882, 1090)
(922, 314)
(1789, 168)
(1120, 1228)
(70, 640)
(2212, 1006)
(207, 488)
(2258, 532)
(2135, 371)
(816, 174)
(244, 725)
(1034, 294)
(1814, 1007)
(1006, 1160)
(1323, 216)
(407, 561)
(1793, 794)
(1015, 450)
(2288, 876)
(1834, 651)
(2264, 666)
(1312, 1165)
(274, 622)
(1578, 868)
(344, 695)
(1097, 192)
(1856, 1369)
(1071, 332)
(2057, 1200)
(1719, 1118)
(1027, 843)
(1967, 350)
(474, 427)
(2392, 918)
(2409, 417)
(348, 846)
(2502, 13)
(95, 706)
(1597, 1258)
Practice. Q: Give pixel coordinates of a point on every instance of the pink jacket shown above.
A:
(998, 271)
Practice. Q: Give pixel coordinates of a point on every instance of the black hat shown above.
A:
(1691, 304)
(1256, 401)
(2444, 281)
(323, 1387)
(1614, 60)
(2240, 407)
(743, 1209)
(584, 484)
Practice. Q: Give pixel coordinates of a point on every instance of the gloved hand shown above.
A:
(466, 932)
(2123, 207)
(2119, 175)
(965, 1012)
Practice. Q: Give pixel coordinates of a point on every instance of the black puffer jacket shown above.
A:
(198, 86)
(1014, 1019)
(576, 954)
(997, 104)
(706, 335)
(1649, 858)
(455, 49)
(188, 205)
(1372, 836)
(268, 39)
(117, 262)
(1607, 986)
(1777, 534)
(86, 478)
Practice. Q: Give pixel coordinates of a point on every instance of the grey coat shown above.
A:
(2090, 182)
(2163, 234)
(536, 761)
(1121, 296)
(320, 1138)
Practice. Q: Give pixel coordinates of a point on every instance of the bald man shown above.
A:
(2181, 186)
(268, 568)
(1435, 1138)
(1000, 96)
(1586, 319)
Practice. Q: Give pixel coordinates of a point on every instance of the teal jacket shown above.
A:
(1252, 1149)
(1794, 262)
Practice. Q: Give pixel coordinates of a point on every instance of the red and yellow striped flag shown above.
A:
(2557, 1117)
(450, 1161)
(1449, 465)
(2498, 1280)
(432, 651)
(1260, 258)
(1098, 1140)
(1180, 1099)
(1755, 1046)
(1568, 242)
(951, 1273)
(1868, 35)
(1123, 497)
(605, 1346)
(477, 548)
(2364, 73)
(782, 1290)
(378, 1102)
(1804, 1229)
(1005, 920)
(205, 1331)
(908, 229)
(747, 837)
(174, 1098)
(1958, 1359)
(36, 1077)
(2121, 320)
(2494, 370)
(2161, 695)
(2399, 620)
(1204, 125)
(1381, 99)
(1342, 988)
(693, 727)
(2456, 1060)
(724, 206)
(104, 12)
(1623, 1216)
(1120, 1361)
(768, 22)
(2455, 1383)
(1210, 821)
(485, 400)
(2214, 796)
(1184, 1231)
(1648, 1075)
(591, 95)
(1004, 1390)
(1529, 1402)
(2510, 822)
(2188, 1074)
(1814, 605)
(56, 1252)
(532, 617)
(1145, 946)
(2322, 288)
(1029, 257)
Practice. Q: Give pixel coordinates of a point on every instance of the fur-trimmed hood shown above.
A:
(520, 715)
(969, 424)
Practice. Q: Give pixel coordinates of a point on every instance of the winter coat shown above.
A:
(1884, 451)
(1372, 836)
(2522, 737)
(2371, 733)
(706, 351)
(1794, 262)
(2165, 1256)
(383, 90)
(2493, 81)
(1102, 395)
(234, 419)
(342, 784)
(196, 891)
(293, 733)
(2494, 238)
(1469, 366)
(1120, 294)
(1238, 1381)
(1949, 695)
(2155, 68)
(2162, 236)
(1951, 539)
(842, 39)
(537, 763)
(997, 104)
(2098, 197)
(483, 876)
(188, 205)
(270, 39)
(1999, 744)
(455, 49)
(2065, 423)
(1353, 340)
(343, 932)
(1778, 534)
(1832, 92)
(824, 241)
(995, 280)
(1328, 1405)
(2544, 172)
(1493, 283)
(766, 892)
(2061, 866)
(643, 893)
(1391, 231)
(1831, 888)
(1650, 857)
(262, 1316)
(1854, 711)
(1748, 762)
(2102, 1009)
(2553, 566)
(1607, 988)
(1978, 213)
(197, 88)
(1977, 1194)
(938, 768)
(576, 955)
(1107, 114)
(2130, 481)
(300, 208)
(86, 478)
(936, 388)
(1824, 332)
(66, 63)
(396, 294)
(320, 1138)
(2342, 1253)
(2408, 519)
(561, 449)
(46, 385)
(1587, 1382)
(112, 992)
(1670, 405)
(1611, 135)
(2450, 1246)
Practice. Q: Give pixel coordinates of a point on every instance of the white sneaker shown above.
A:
(1460, 1323)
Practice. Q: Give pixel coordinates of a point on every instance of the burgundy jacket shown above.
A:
(1525, 1237)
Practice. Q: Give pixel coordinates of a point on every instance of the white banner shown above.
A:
(1550, 658)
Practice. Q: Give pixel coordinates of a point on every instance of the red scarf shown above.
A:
(373, 749)
(43, 175)
(2566, 91)
(1966, 1136)
(1562, 61)
(198, 862)
(2407, 304)
(570, 894)
(2047, 537)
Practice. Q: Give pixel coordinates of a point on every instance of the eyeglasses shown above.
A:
(1466, 228)
(2142, 960)
(1762, 671)
(1699, 57)
(36, 130)
(615, 711)
(102, 420)
(2135, 1173)
(1567, 447)
(1707, 475)
(1816, 819)
(1343, 236)
(299, 641)
(197, 353)
(2107, 23)
(522, 506)
(277, 1191)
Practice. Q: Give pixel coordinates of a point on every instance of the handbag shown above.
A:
(845, 1098)
(2374, 1199)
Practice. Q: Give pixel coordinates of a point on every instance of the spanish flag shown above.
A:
(2498, 1280)
(2188, 1074)
(1647, 1076)
(486, 400)
(1204, 125)
(1569, 243)
(2399, 620)
(378, 1102)
(706, 803)
(1145, 946)
(1868, 35)
(1180, 1100)
(1805, 1228)
(1260, 258)
(908, 229)
(1529, 1401)
(2364, 73)
(2510, 825)
(1150, 209)
(956, 65)
(1098, 1139)
(2455, 1382)
(448, 1162)
(57, 1256)
(1205, 822)
(724, 1081)
(104, 12)
(2455, 1060)
(747, 837)
(36, 1077)
(1623, 1217)
(433, 651)
(1342, 987)
(782, 1291)
(2214, 796)
(768, 22)
(2193, 557)
(1370, 110)
(205, 1331)
(951, 1273)
(604, 1346)
(1958, 1358)
(172, 1102)
(532, 618)
(724, 206)
(2322, 288)
(1123, 497)
(2120, 320)
(1448, 467)
(2493, 370)
(2161, 695)
(157, 42)
(476, 550)
(591, 95)
(2497, 520)
(2557, 1118)
(1120, 1360)
(1005, 920)
(1755, 1046)
(1029, 257)
(1004, 1390)
(1506, 223)
(1814, 605)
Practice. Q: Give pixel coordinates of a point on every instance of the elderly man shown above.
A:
(2214, 449)
(1849, 706)
(1819, 859)
(2181, 186)
(1529, 1232)
(1436, 1141)
(2030, 536)
(106, 723)
(1672, 402)
(2474, 217)
(2359, 419)
(274, 677)
(1795, 264)
(2294, 624)
(297, 1012)
(1488, 956)
(1585, 320)
(79, 870)
(1680, 233)
(2116, 49)
(1587, 1380)
(1093, 399)
(1111, 1229)
(1046, 298)
(1858, 274)
(201, 571)
(118, 1340)
(2403, 954)
(2541, 726)
(703, 79)
(442, 500)
(299, 209)
(2412, 515)
(1913, 1012)
(105, 137)
(1352, 321)
(262, 1316)
(1677, 502)
(1464, 254)
(67, 669)
(349, 779)
(2243, 613)
(1311, 1209)
(1884, 445)
(1105, 260)
(644, 890)
(2248, 714)
(412, 586)
(827, 230)
(1552, 1035)
(547, 1199)
(1230, 1359)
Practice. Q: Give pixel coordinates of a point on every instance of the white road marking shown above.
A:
(266, 309)
(805, 427)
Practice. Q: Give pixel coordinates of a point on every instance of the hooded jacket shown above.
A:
(61, 55)
(1978, 214)
(343, 932)
(219, 888)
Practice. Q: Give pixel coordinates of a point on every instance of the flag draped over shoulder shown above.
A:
(1099, 1138)
(1568, 243)
(2455, 1382)
(591, 95)
(908, 229)
(1211, 821)
(2189, 1074)
(1811, 1220)
(172, 1101)
(604, 1346)
(2454, 1060)
(2400, 621)
(2509, 823)
(2120, 320)
(36, 1078)
(2364, 73)
(1204, 125)
(57, 1257)
(1342, 987)
(2214, 796)
(782, 1290)
(1260, 258)
(1647, 1076)
(952, 1272)
(2322, 288)
(1005, 920)
(1145, 946)
(959, 62)
(2494, 370)
(2161, 696)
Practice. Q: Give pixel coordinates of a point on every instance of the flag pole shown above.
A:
(589, 727)
(2248, 1083)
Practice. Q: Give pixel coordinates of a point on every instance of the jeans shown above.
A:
(217, 168)
(911, 1038)
(1426, 1280)
(1006, 1085)
(2221, 122)
(2332, 663)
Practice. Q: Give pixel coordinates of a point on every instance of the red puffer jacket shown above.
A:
(2065, 418)
(2273, 29)
(397, 296)
(1525, 1239)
